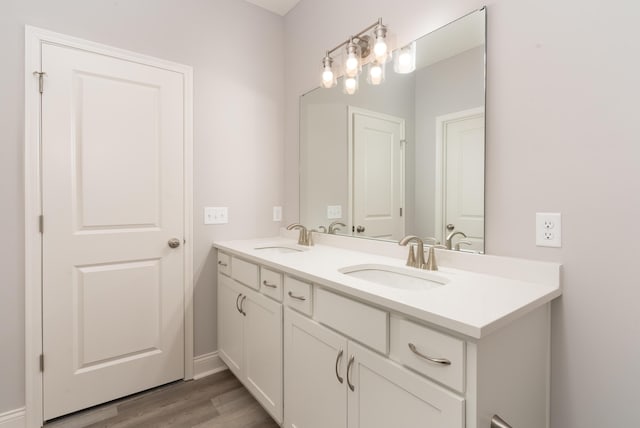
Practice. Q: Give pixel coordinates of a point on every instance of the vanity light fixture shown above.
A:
(358, 49)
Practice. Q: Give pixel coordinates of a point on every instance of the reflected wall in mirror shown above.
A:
(407, 156)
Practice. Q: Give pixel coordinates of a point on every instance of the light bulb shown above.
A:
(380, 49)
(352, 64)
(375, 74)
(350, 85)
(405, 61)
(328, 76)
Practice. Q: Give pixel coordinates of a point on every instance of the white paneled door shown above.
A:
(112, 199)
(378, 174)
(464, 178)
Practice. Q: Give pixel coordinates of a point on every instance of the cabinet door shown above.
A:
(263, 352)
(314, 395)
(387, 395)
(230, 324)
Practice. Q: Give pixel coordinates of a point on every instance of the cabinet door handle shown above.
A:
(242, 305)
(293, 296)
(498, 422)
(338, 358)
(439, 361)
(222, 264)
(266, 284)
(237, 304)
(351, 360)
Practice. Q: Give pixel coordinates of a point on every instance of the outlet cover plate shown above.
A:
(277, 213)
(216, 215)
(549, 230)
(334, 212)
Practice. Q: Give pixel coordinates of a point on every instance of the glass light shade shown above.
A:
(375, 74)
(405, 60)
(380, 48)
(350, 85)
(352, 63)
(328, 75)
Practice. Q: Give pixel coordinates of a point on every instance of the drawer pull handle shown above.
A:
(440, 361)
(222, 264)
(293, 296)
(351, 360)
(242, 305)
(498, 422)
(338, 358)
(266, 284)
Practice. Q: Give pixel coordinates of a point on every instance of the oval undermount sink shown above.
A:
(279, 249)
(396, 277)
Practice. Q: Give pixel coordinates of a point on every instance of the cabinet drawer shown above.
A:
(224, 263)
(357, 320)
(428, 344)
(244, 272)
(297, 295)
(271, 283)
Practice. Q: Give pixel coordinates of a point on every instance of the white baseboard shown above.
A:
(205, 365)
(13, 419)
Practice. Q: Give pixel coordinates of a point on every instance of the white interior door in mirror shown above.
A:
(377, 173)
(112, 195)
(460, 180)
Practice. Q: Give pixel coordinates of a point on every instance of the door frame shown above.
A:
(441, 158)
(351, 110)
(34, 39)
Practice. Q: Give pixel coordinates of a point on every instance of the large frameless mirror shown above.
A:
(407, 156)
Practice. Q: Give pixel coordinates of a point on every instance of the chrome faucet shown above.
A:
(322, 229)
(449, 238)
(304, 238)
(413, 259)
(335, 226)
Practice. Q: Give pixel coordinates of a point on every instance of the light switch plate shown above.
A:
(549, 230)
(216, 215)
(277, 213)
(334, 211)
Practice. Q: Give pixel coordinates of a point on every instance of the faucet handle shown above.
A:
(310, 237)
(431, 264)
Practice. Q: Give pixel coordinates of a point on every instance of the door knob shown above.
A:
(360, 229)
(450, 227)
(174, 242)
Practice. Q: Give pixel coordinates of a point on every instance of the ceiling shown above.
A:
(281, 7)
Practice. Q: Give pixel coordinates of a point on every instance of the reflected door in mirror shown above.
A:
(378, 174)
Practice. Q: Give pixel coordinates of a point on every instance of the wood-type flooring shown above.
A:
(216, 401)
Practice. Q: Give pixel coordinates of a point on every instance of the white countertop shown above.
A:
(471, 303)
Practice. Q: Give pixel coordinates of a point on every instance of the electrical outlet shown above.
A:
(334, 211)
(216, 215)
(277, 213)
(548, 229)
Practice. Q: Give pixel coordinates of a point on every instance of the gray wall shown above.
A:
(238, 128)
(562, 135)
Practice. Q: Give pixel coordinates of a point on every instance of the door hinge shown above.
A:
(40, 80)
(42, 362)
(400, 211)
(41, 223)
